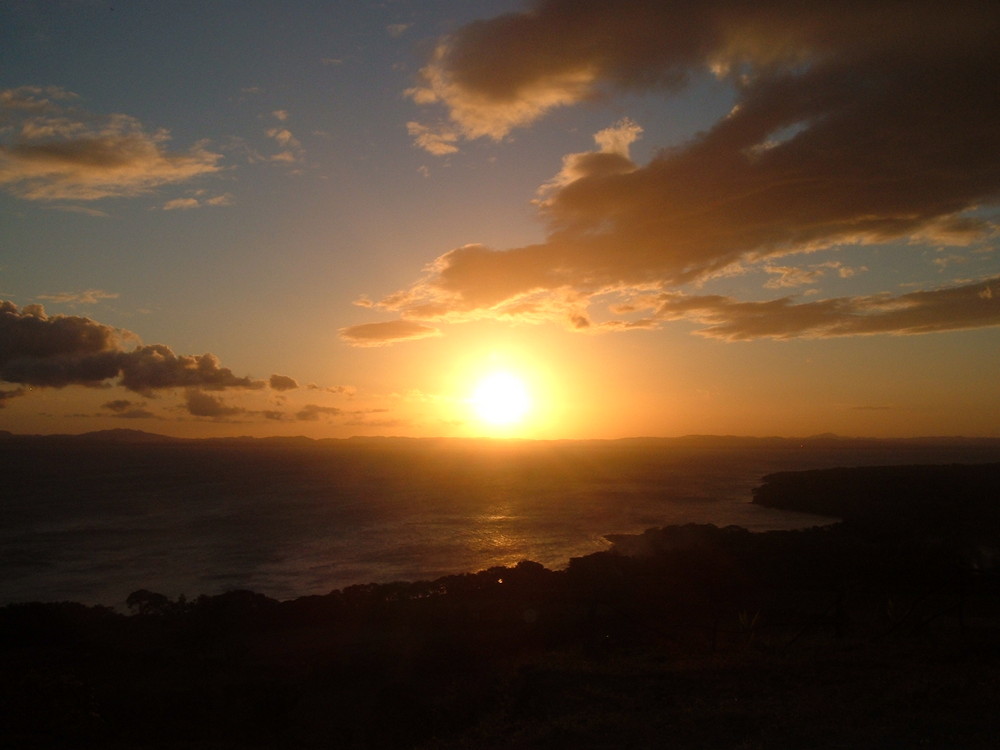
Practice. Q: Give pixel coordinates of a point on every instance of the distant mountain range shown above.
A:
(828, 438)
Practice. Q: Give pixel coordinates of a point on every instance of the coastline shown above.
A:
(715, 637)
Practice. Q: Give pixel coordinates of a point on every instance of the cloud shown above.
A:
(56, 351)
(226, 199)
(927, 311)
(86, 297)
(789, 276)
(86, 211)
(201, 404)
(439, 140)
(283, 136)
(312, 412)
(118, 405)
(152, 367)
(494, 75)
(397, 29)
(840, 137)
(347, 390)
(125, 409)
(292, 150)
(6, 396)
(379, 334)
(50, 150)
(282, 383)
(180, 203)
(61, 350)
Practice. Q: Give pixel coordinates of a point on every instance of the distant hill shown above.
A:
(125, 436)
(131, 436)
(944, 499)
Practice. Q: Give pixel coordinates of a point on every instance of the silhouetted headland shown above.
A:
(878, 631)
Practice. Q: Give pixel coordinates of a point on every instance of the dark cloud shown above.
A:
(495, 75)
(51, 150)
(61, 350)
(56, 351)
(148, 368)
(379, 334)
(200, 404)
(125, 409)
(927, 311)
(119, 405)
(282, 383)
(841, 136)
(312, 412)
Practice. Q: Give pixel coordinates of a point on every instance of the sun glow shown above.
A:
(501, 399)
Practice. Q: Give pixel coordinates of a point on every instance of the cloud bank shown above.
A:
(62, 350)
(841, 136)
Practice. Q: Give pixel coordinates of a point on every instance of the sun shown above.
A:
(501, 399)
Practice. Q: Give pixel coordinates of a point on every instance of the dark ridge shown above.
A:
(937, 499)
(123, 435)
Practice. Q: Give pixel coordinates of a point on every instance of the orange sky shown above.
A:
(662, 219)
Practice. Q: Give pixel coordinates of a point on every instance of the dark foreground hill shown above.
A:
(880, 632)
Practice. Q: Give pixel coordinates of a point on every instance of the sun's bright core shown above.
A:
(501, 398)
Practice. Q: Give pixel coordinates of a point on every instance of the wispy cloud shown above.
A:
(291, 148)
(312, 412)
(199, 200)
(124, 409)
(926, 311)
(51, 150)
(86, 297)
(439, 140)
(201, 404)
(282, 383)
(380, 334)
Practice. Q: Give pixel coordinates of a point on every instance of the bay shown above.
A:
(93, 518)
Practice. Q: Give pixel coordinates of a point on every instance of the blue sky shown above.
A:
(382, 203)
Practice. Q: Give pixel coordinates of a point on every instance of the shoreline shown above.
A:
(823, 637)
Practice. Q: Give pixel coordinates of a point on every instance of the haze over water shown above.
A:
(92, 521)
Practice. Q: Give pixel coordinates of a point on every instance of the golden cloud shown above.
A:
(380, 334)
(52, 151)
(840, 137)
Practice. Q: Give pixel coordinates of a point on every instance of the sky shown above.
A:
(251, 217)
